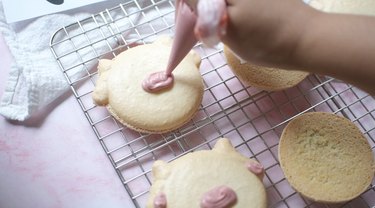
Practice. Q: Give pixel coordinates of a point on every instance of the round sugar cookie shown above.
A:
(219, 178)
(269, 79)
(325, 157)
(119, 87)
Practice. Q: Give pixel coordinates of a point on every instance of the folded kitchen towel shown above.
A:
(35, 79)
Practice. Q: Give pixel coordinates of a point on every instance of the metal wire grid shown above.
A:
(251, 118)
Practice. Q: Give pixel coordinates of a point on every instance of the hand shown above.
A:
(265, 31)
(211, 20)
(261, 31)
(292, 35)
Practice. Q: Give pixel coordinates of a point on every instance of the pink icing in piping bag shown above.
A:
(184, 39)
(183, 42)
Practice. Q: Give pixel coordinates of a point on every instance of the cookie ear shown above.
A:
(196, 58)
(104, 65)
(256, 168)
(164, 40)
(100, 94)
(160, 170)
(224, 145)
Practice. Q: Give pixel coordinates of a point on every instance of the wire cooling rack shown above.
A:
(251, 118)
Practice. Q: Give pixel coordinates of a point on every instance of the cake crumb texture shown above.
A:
(325, 157)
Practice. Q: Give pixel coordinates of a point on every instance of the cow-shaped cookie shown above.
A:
(119, 87)
(219, 178)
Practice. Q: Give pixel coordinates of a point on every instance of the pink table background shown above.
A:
(54, 160)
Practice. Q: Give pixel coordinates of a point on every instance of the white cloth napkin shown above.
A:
(35, 79)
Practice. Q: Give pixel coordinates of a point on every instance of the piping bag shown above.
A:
(183, 42)
(184, 39)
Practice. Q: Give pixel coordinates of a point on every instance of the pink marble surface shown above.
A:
(54, 160)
